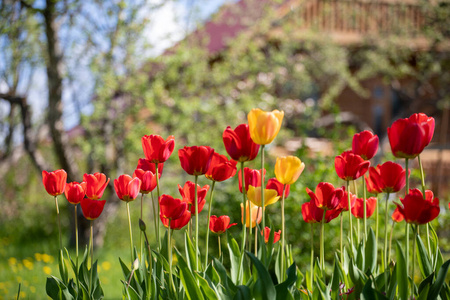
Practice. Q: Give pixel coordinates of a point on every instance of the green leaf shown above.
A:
(243, 293)
(63, 268)
(52, 287)
(422, 257)
(335, 280)
(440, 280)
(264, 288)
(368, 292)
(190, 252)
(392, 284)
(370, 252)
(323, 290)
(360, 257)
(130, 292)
(235, 257)
(424, 294)
(225, 280)
(402, 273)
(206, 289)
(282, 289)
(187, 278)
(426, 283)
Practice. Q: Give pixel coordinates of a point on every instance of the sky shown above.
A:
(169, 24)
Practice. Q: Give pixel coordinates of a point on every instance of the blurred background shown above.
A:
(82, 81)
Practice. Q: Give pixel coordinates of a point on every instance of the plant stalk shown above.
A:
(207, 226)
(197, 254)
(350, 214)
(312, 254)
(386, 259)
(283, 230)
(322, 244)
(262, 187)
(131, 233)
(422, 179)
(158, 237)
(365, 211)
(416, 233)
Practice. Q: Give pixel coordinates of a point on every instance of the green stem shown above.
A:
(422, 178)
(350, 214)
(390, 242)
(196, 224)
(256, 231)
(59, 223)
(169, 248)
(322, 244)
(158, 237)
(377, 222)
(358, 237)
(91, 249)
(244, 227)
(220, 247)
(341, 239)
(407, 177)
(283, 229)
(413, 259)
(386, 259)
(365, 211)
(131, 233)
(141, 241)
(407, 247)
(262, 188)
(155, 217)
(76, 246)
(207, 226)
(312, 254)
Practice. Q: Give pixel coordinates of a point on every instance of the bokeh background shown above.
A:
(82, 81)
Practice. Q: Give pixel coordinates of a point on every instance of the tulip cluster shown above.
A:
(407, 138)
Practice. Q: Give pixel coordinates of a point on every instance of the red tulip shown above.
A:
(343, 203)
(365, 144)
(220, 168)
(388, 177)
(417, 210)
(220, 224)
(397, 216)
(239, 144)
(54, 182)
(92, 209)
(95, 185)
(358, 207)
(326, 196)
(266, 234)
(147, 165)
(274, 184)
(156, 149)
(350, 166)
(127, 188)
(252, 177)
(148, 180)
(408, 137)
(312, 214)
(177, 223)
(187, 193)
(373, 181)
(171, 208)
(195, 160)
(75, 192)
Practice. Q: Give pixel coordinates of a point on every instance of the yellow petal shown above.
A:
(264, 126)
(288, 169)
(254, 195)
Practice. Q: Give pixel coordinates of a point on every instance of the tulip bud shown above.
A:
(142, 225)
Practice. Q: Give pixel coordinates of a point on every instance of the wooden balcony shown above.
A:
(354, 21)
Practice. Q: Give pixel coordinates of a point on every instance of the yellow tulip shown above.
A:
(264, 126)
(256, 214)
(254, 195)
(288, 169)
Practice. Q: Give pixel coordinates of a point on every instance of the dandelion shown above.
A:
(47, 270)
(28, 263)
(106, 265)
